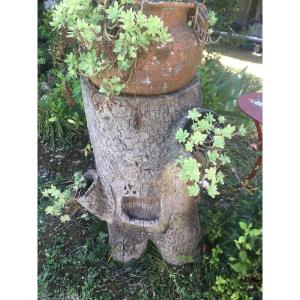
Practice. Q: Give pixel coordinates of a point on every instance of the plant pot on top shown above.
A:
(168, 67)
(133, 48)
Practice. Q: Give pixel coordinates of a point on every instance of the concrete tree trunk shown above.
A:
(135, 187)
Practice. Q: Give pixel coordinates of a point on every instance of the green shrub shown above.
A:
(60, 107)
(241, 278)
(50, 49)
(232, 234)
(60, 111)
(226, 12)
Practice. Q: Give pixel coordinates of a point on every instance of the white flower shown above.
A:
(204, 183)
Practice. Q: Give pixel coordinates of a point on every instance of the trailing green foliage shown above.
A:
(105, 34)
(61, 198)
(207, 138)
(112, 86)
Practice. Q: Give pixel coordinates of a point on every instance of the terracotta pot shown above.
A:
(165, 68)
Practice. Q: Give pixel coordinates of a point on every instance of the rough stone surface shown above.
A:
(136, 188)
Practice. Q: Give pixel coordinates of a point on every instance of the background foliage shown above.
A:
(60, 107)
(226, 11)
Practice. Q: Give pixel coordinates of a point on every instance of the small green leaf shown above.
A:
(189, 146)
(228, 131)
(64, 218)
(224, 159)
(221, 119)
(190, 170)
(239, 268)
(243, 225)
(248, 246)
(243, 256)
(179, 161)
(71, 121)
(220, 280)
(213, 155)
(181, 135)
(211, 173)
(194, 114)
(204, 125)
(241, 239)
(219, 142)
(220, 177)
(210, 118)
(212, 190)
(242, 130)
(52, 119)
(45, 193)
(212, 18)
(198, 138)
(236, 296)
(256, 232)
(193, 190)
(49, 210)
(113, 11)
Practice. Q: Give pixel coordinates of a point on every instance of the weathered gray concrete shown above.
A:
(136, 188)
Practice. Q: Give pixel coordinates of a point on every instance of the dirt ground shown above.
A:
(239, 58)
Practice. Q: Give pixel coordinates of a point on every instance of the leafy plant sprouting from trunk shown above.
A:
(60, 199)
(104, 34)
(206, 139)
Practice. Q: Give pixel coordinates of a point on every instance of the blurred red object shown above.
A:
(251, 104)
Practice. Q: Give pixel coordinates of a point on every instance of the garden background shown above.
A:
(82, 253)
(74, 258)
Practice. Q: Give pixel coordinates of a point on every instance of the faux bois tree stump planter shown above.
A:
(136, 188)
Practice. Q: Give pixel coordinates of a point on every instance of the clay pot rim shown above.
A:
(190, 4)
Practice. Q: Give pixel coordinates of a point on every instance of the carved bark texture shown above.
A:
(136, 188)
